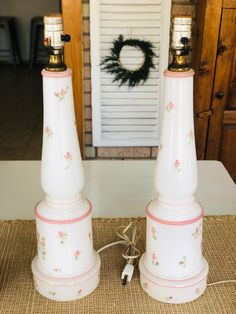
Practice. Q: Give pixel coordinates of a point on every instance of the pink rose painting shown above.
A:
(61, 94)
(170, 106)
(154, 259)
(77, 254)
(177, 165)
(62, 236)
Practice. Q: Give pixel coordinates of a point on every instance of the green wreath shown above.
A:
(112, 64)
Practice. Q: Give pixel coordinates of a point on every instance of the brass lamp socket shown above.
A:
(54, 40)
(180, 43)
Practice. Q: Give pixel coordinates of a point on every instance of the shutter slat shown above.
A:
(128, 95)
(125, 128)
(128, 102)
(126, 31)
(112, 8)
(123, 122)
(130, 16)
(129, 115)
(130, 23)
(108, 81)
(138, 89)
(128, 2)
(144, 110)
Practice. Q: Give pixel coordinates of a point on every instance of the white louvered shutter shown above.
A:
(123, 116)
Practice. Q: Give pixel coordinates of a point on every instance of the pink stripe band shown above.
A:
(179, 74)
(180, 287)
(174, 223)
(55, 74)
(64, 222)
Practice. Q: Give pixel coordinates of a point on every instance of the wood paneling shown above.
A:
(227, 41)
(228, 147)
(206, 34)
(72, 15)
(229, 4)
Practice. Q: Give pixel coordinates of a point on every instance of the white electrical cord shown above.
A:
(220, 282)
(129, 236)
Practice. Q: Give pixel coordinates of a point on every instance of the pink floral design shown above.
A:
(197, 231)
(41, 246)
(169, 298)
(77, 254)
(183, 261)
(177, 165)
(62, 93)
(79, 292)
(48, 132)
(154, 233)
(190, 136)
(154, 259)
(68, 158)
(160, 148)
(62, 236)
(145, 285)
(170, 106)
(51, 293)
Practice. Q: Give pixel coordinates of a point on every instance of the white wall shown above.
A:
(24, 10)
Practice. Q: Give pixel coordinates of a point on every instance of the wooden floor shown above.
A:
(21, 109)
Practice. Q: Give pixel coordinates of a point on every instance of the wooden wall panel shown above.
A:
(228, 147)
(221, 84)
(72, 12)
(208, 16)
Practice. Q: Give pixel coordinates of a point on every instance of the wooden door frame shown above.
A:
(206, 35)
(72, 12)
(221, 82)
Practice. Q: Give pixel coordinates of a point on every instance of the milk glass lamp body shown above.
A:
(66, 266)
(173, 269)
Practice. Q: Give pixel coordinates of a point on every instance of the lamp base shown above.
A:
(67, 289)
(173, 291)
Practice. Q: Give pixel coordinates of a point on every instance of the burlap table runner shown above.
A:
(17, 293)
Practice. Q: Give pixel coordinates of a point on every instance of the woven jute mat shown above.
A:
(17, 293)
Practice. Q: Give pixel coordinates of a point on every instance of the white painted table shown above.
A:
(115, 188)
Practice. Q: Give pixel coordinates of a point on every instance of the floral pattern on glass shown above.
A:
(62, 236)
(197, 232)
(48, 132)
(170, 106)
(145, 285)
(51, 293)
(160, 148)
(154, 259)
(62, 93)
(77, 254)
(41, 246)
(177, 165)
(183, 262)
(190, 136)
(68, 158)
(154, 233)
